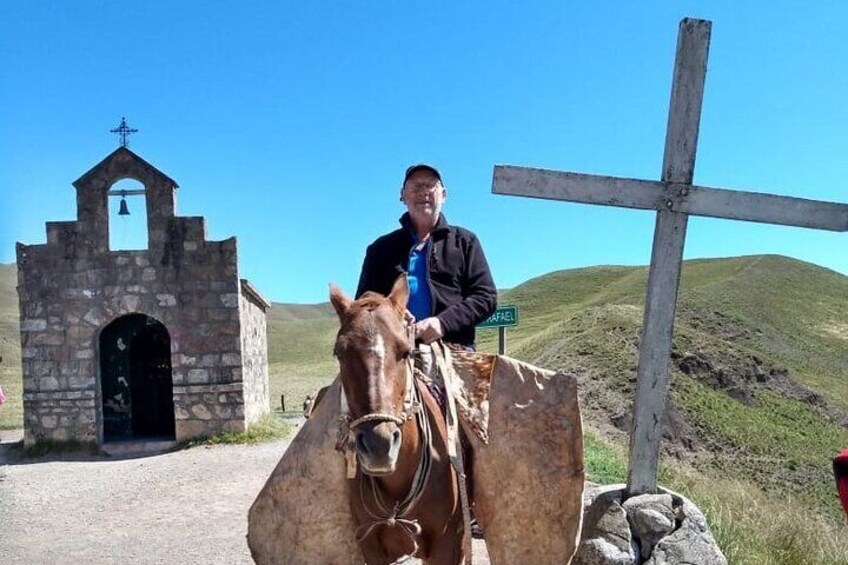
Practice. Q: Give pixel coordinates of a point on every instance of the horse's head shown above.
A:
(372, 347)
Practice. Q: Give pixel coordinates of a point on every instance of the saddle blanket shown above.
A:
(526, 436)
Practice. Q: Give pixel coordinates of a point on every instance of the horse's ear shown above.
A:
(400, 294)
(339, 300)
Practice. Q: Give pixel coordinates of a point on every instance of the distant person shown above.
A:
(307, 406)
(450, 286)
(2, 396)
(840, 471)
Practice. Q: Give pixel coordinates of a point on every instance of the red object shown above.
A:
(840, 471)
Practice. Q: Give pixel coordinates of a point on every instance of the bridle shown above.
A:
(411, 400)
(396, 516)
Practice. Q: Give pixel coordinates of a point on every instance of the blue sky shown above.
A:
(289, 125)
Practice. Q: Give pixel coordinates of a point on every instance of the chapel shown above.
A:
(166, 342)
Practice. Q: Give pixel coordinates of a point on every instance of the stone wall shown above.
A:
(71, 288)
(254, 349)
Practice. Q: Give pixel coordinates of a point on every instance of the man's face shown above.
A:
(423, 195)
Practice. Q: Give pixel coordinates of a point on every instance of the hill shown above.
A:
(11, 413)
(300, 345)
(759, 383)
(759, 380)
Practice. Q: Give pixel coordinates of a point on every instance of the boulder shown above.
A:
(658, 529)
(651, 518)
(606, 534)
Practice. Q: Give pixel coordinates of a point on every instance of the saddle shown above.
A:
(524, 427)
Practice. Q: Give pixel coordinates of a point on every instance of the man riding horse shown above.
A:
(397, 490)
(450, 287)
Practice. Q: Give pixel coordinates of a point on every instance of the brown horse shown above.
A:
(404, 495)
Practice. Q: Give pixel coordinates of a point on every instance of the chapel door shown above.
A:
(136, 380)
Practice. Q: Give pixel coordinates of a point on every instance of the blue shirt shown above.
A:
(420, 302)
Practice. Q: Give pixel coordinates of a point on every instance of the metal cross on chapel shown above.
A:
(124, 131)
(674, 198)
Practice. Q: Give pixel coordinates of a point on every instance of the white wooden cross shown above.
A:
(674, 198)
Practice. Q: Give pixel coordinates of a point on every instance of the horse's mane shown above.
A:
(370, 301)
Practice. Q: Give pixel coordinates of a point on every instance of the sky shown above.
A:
(289, 124)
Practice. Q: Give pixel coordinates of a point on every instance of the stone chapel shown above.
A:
(162, 343)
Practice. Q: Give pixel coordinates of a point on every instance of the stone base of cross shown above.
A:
(674, 198)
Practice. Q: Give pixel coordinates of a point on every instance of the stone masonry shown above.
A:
(73, 286)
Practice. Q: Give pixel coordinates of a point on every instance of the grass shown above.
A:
(11, 413)
(604, 463)
(781, 444)
(295, 381)
(749, 526)
(756, 528)
(268, 428)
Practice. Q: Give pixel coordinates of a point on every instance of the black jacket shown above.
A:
(461, 285)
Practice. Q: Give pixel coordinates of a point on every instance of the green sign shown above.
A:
(504, 316)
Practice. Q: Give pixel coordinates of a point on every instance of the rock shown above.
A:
(651, 517)
(691, 543)
(606, 537)
(599, 551)
(667, 527)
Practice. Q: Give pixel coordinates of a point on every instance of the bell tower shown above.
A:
(110, 337)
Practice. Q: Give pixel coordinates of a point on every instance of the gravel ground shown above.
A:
(184, 507)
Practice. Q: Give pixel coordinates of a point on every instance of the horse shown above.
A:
(404, 493)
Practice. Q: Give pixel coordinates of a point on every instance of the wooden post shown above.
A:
(283, 402)
(681, 142)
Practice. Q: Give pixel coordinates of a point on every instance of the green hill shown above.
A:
(11, 413)
(759, 370)
(300, 345)
(759, 380)
(759, 385)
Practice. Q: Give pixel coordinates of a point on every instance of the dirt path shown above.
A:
(184, 507)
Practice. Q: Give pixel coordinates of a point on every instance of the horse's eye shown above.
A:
(404, 354)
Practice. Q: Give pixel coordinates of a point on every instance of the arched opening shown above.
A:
(127, 232)
(135, 379)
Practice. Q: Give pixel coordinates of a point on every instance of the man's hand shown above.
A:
(429, 330)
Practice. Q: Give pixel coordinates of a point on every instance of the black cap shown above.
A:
(421, 167)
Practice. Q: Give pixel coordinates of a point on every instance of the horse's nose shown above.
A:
(378, 442)
(361, 444)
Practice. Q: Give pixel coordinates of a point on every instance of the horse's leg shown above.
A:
(448, 549)
(375, 554)
(447, 553)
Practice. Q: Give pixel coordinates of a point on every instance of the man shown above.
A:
(451, 288)
(840, 471)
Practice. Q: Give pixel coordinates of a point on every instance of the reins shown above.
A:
(454, 442)
(347, 427)
(411, 404)
(397, 516)
(412, 407)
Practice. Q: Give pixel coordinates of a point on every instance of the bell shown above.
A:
(123, 211)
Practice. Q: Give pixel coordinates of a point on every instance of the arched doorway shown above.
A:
(135, 379)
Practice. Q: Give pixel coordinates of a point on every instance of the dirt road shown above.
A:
(184, 507)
